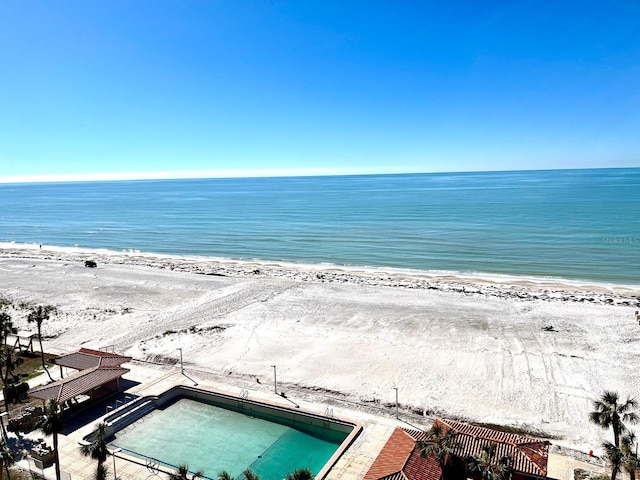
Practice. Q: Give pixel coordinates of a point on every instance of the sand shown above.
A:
(466, 347)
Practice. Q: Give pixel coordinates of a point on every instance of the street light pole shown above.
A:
(113, 454)
(4, 432)
(396, 389)
(181, 364)
(275, 381)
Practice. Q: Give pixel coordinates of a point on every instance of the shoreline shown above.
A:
(521, 288)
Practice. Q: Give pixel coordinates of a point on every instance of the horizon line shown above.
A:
(213, 174)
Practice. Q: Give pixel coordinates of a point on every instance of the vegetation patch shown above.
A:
(5, 302)
(580, 474)
(29, 365)
(195, 330)
(523, 430)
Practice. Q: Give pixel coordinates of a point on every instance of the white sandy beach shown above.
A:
(468, 347)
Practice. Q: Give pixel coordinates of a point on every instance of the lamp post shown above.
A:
(275, 382)
(113, 454)
(181, 364)
(396, 389)
(4, 432)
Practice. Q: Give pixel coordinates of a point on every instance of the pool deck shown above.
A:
(155, 379)
(377, 425)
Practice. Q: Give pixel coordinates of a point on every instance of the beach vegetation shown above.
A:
(439, 444)
(224, 475)
(6, 325)
(97, 449)
(610, 411)
(101, 472)
(526, 430)
(614, 456)
(630, 459)
(299, 474)
(6, 352)
(249, 474)
(488, 465)
(39, 315)
(183, 473)
(50, 423)
(6, 367)
(6, 459)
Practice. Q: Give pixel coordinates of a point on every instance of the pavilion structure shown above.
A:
(97, 376)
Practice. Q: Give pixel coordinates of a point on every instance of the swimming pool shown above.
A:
(214, 432)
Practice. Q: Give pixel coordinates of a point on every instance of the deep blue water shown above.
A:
(576, 224)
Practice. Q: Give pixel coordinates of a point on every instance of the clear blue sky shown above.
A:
(103, 87)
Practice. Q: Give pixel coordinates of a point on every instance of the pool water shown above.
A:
(211, 438)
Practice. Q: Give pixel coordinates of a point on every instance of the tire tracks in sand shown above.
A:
(207, 308)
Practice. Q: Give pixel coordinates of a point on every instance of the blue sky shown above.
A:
(107, 89)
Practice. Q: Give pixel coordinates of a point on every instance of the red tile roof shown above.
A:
(394, 463)
(529, 454)
(393, 456)
(422, 468)
(88, 358)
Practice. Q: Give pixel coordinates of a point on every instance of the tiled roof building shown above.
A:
(99, 375)
(400, 458)
(87, 358)
(83, 382)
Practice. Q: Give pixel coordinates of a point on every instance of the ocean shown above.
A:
(571, 224)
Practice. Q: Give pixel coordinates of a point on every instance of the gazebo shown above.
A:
(98, 377)
(86, 358)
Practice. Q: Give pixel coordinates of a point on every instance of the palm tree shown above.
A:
(98, 448)
(440, 443)
(101, 472)
(182, 473)
(6, 326)
(249, 475)
(489, 466)
(6, 352)
(224, 475)
(630, 460)
(614, 455)
(6, 459)
(299, 474)
(608, 412)
(50, 423)
(6, 362)
(38, 315)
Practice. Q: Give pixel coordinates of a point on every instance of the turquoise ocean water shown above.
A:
(574, 224)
